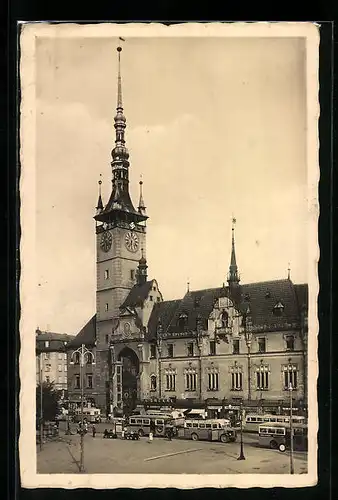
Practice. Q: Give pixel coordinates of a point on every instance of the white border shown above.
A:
(27, 446)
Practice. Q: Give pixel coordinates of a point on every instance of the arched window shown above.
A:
(224, 319)
(76, 358)
(183, 321)
(153, 383)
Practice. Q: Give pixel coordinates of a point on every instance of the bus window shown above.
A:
(260, 419)
(146, 421)
(139, 421)
(215, 426)
(252, 419)
(188, 424)
(132, 421)
(159, 421)
(280, 431)
(272, 419)
(280, 420)
(195, 424)
(208, 426)
(202, 426)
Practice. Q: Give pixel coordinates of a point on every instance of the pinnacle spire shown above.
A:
(119, 82)
(142, 273)
(99, 206)
(141, 205)
(233, 276)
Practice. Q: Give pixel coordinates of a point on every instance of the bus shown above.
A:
(207, 430)
(142, 424)
(252, 422)
(278, 436)
(90, 414)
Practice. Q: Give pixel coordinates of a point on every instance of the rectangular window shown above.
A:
(212, 347)
(213, 381)
(190, 381)
(60, 355)
(89, 358)
(261, 345)
(290, 377)
(170, 382)
(60, 380)
(132, 274)
(107, 339)
(153, 351)
(65, 368)
(236, 381)
(65, 380)
(77, 382)
(170, 350)
(290, 343)
(235, 346)
(262, 378)
(106, 274)
(106, 307)
(150, 298)
(47, 343)
(190, 348)
(60, 368)
(65, 356)
(47, 355)
(90, 381)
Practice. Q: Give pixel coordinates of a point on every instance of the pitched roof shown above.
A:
(56, 341)
(261, 297)
(87, 335)
(137, 295)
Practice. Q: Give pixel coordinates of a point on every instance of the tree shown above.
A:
(50, 402)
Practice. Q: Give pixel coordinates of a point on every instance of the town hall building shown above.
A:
(218, 348)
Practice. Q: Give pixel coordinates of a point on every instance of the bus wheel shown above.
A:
(194, 436)
(141, 432)
(282, 447)
(224, 438)
(273, 445)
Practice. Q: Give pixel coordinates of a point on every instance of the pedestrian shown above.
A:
(93, 430)
(151, 436)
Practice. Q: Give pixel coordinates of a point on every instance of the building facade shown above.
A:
(51, 358)
(217, 347)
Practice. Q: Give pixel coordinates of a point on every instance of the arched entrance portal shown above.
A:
(130, 372)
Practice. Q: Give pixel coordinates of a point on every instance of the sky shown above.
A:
(216, 127)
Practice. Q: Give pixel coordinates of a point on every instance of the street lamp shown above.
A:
(241, 455)
(41, 399)
(291, 432)
(84, 354)
(199, 328)
(159, 348)
(248, 339)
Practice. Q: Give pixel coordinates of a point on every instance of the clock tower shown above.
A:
(120, 236)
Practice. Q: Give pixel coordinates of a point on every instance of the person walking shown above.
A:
(93, 430)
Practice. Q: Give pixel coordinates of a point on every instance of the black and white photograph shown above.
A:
(169, 253)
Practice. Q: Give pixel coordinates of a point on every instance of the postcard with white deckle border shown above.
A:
(169, 250)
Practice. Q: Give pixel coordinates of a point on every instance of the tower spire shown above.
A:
(141, 205)
(120, 206)
(233, 276)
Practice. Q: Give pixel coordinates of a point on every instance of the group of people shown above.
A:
(84, 428)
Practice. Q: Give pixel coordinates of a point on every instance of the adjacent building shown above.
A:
(51, 358)
(215, 348)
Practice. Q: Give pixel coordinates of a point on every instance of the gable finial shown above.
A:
(289, 271)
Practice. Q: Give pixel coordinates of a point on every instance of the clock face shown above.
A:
(127, 328)
(106, 241)
(131, 241)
